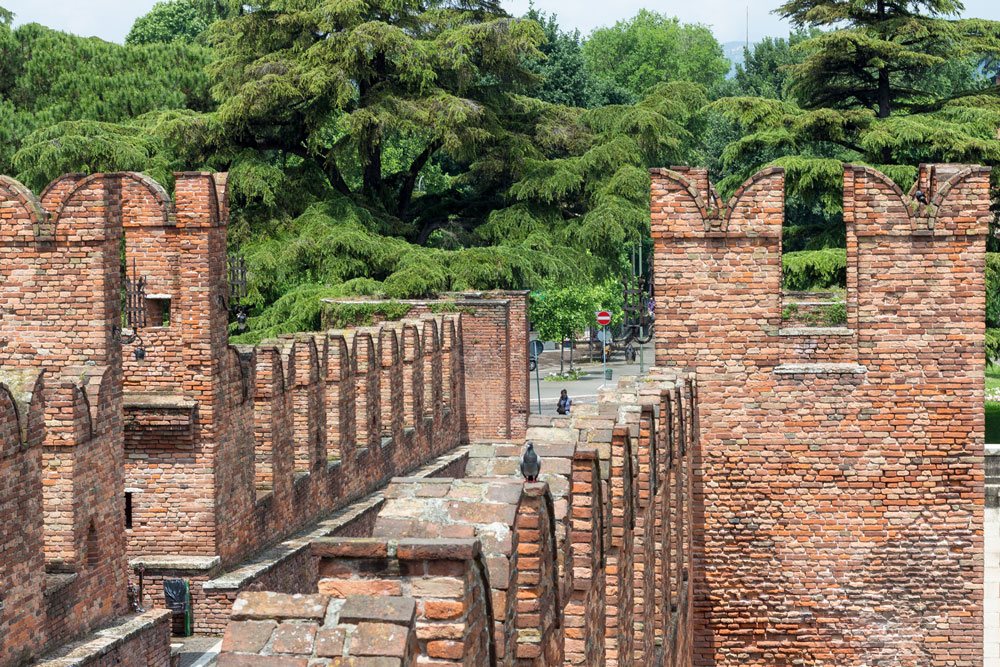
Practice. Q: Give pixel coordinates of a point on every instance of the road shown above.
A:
(585, 389)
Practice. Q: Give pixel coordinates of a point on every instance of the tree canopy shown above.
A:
(650, 48)
(406, 148)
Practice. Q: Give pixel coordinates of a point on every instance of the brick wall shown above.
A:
(493, 385)
(142, 641)
(557, 556)
(59, 295)
(22, 565)
(446, 577)
(279, 630)
(838, 485)
(64, 571)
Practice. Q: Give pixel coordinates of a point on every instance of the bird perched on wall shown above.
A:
(531, 463)
(921, 197)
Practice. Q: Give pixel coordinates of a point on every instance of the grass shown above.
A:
(992, 377)
(992, 407)
(570, 376)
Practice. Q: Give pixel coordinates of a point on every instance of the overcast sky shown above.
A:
(111, 19)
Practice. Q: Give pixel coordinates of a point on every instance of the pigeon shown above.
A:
(921, 197)
(531, 464)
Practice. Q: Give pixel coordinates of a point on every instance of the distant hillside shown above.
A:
(734, 51)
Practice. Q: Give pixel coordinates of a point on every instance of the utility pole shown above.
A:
(748, 25)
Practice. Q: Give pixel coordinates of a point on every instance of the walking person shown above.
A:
(565, 403)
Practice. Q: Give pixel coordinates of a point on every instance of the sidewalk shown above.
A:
(586, 388)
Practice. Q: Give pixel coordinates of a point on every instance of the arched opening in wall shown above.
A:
(93, 549)
(814, 260)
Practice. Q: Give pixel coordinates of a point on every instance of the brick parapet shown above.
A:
(546, 548)
(493, 365)
(22, 568)
(889, 414)
(514, 523)
(446, 577)
(59, 294)
(282, 630)
(140, 640)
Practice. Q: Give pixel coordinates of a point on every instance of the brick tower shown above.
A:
(839, 478)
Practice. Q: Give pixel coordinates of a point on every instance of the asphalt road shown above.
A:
(585, 389)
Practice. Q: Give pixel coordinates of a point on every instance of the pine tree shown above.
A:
(883, 52)
(335, 84)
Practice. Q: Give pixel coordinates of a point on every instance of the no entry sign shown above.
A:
(604, 318)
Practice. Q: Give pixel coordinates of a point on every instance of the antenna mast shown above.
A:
(748, 25)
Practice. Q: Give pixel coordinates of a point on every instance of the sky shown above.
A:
(111, 19)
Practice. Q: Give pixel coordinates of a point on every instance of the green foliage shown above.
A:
(650, 49)
(993, 290)
(176, 20)
(335, 85)
(572, 375)
(886, 55)
(451, 307)
(563, 72)
(764, 71)
(558, 312)
(811, 270)
(66, 92)
(562, 312)
(831, 315)
(402, 149)
(596, 197)
(993, 351)
(345, 314)
(992, 422)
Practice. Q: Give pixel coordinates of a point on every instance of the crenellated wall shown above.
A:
(217, 452)
(838, 496)
(64, 568)
(568, 570)
(492, 391)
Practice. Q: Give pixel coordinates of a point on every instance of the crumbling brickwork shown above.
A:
(278, 630)
(523, 572)
(446, 577)
(838, 487)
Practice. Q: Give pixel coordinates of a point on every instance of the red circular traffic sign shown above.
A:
(604, 318)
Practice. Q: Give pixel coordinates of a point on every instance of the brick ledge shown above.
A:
(176, 562)
(815, 331)
(820, 369)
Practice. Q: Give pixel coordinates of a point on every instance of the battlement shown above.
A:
(210, 452)
(587, 566)
(834, 458)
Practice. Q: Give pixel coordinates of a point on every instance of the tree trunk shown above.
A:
(334, 176)
(562, 355)
(406, 191)
(370, 149)
(370, 141)
(884, 100)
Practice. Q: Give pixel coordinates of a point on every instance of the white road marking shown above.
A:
(209, 655)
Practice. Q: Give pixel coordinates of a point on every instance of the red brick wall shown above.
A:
(487, 382)
(142, 641)
(59, 293)
(447, 578)
(620, 560)
(838, 507)
(583, 613)
(22, 565)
